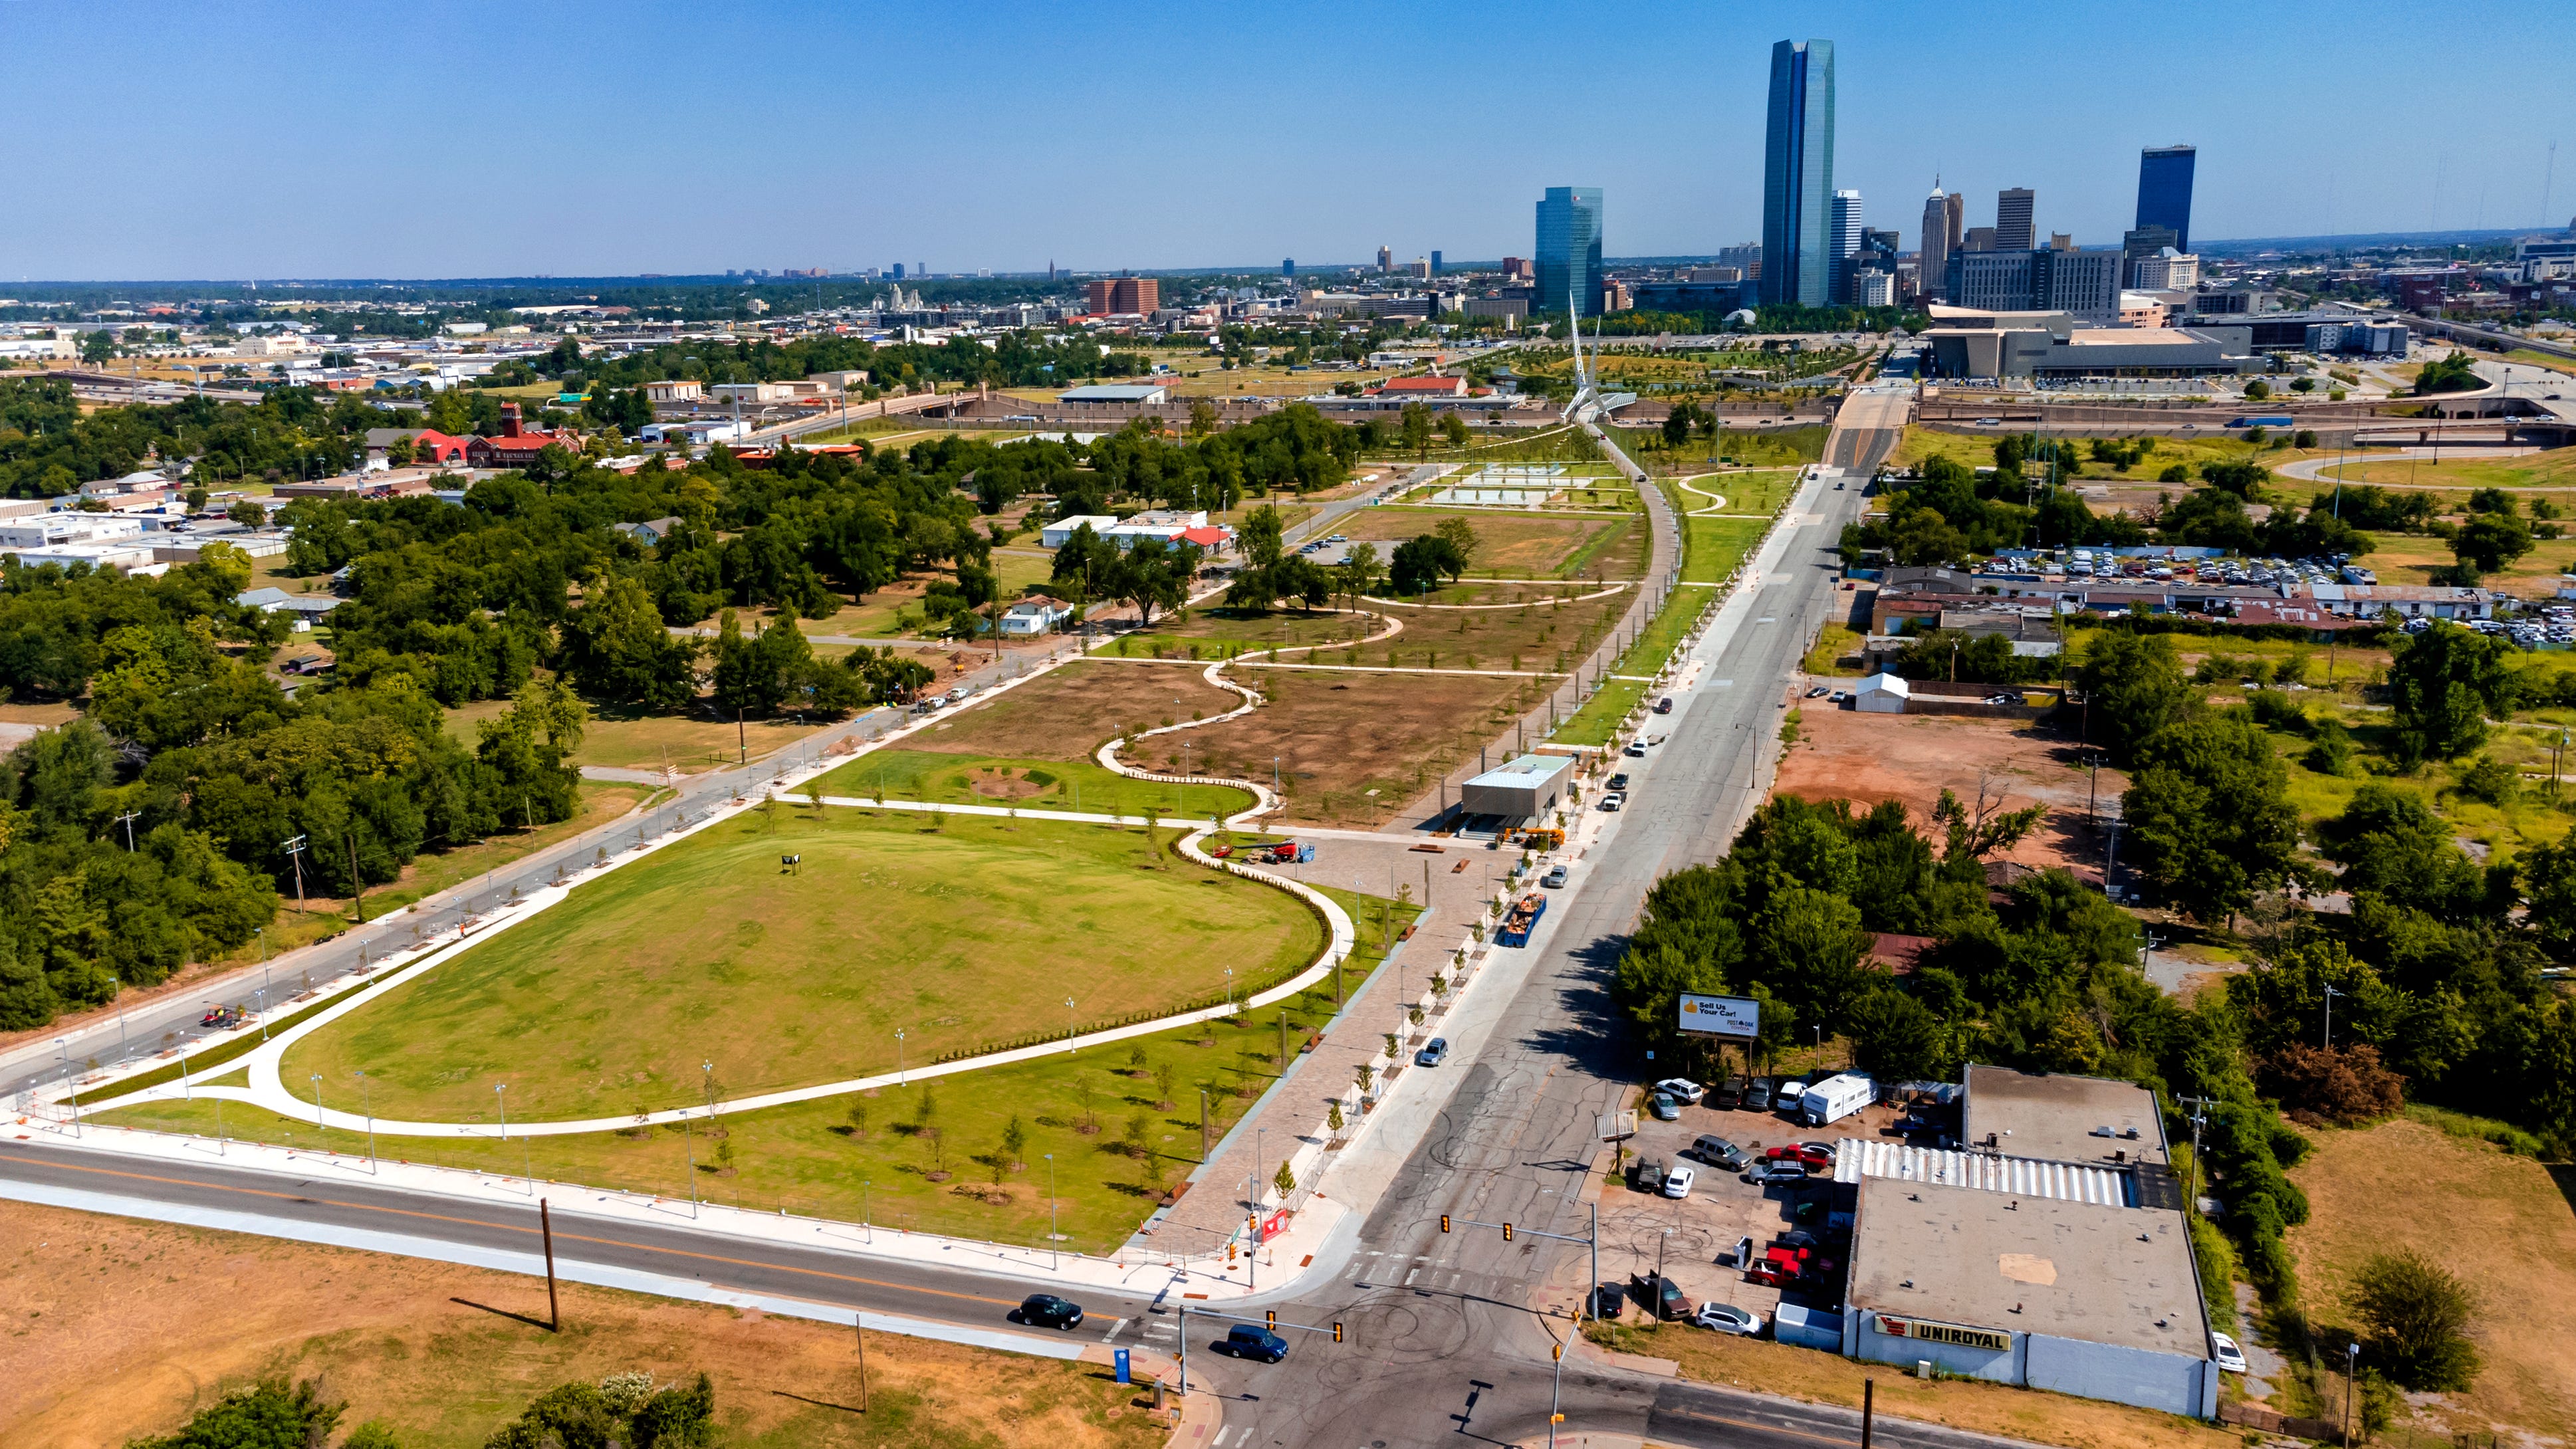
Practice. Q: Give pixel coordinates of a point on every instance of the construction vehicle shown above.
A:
(1286, 852)
(1535, 837)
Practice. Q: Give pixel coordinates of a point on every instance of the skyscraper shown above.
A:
(1385, 259)
(2164, 190)
(2013, 231)
(1934, 266)
(1798, 175)
(1569, 250)
(1845, 241)
(1288, 266)
(1435, 264)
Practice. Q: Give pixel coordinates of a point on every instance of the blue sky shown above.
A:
(428, 139)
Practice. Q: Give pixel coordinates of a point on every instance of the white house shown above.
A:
(1060, 532)
(1033, 616)
(1881, 694)
(696, 434)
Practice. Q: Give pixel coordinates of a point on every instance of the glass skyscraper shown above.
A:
(1798, 176)
(2164, 190)
(1569, 250)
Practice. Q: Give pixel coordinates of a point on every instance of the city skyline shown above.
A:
(1798, 175)
(802, 170)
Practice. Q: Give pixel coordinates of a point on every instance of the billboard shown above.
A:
(1721, 1015)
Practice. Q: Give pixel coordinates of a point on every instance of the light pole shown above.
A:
(1068, 1026)
(1054, 1239)
(2351, 1372)
(500, 1091)
(899, 1078)
(317, 1104)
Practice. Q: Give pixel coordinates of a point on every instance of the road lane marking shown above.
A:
(525, 1232)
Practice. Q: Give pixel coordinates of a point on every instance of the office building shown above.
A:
(1113, 296)
(2167, 271)
(1988, 280)
(1385, 259)
(1569, 250)
(2014, 231)
(1798, 175)
(1979, 239)
(1940, 237)
(1435, 264)
(2085, 285)
(898, 271)
(2164, 191)
(1844, 239)
(2011, 342)
(1287, 266)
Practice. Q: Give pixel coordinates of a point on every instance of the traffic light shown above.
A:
(1229, 1253)
(1559, 1352)
(1270, 1320)
(1337, 1330)
(1507, 1232)
(1444, 1222)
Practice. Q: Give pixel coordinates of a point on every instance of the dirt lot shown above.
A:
(120, 1328)
(1535, 636)
(1866, 758)
(1515, 544)
(1341, 735)
(2502, 1222)
(1070, 712)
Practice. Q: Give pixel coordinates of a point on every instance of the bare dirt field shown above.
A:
(1341, 735)
(2501, 1222)
(120, 1328)
(1519, 544)
(1866, 758)
(1073, 710)
(1541, 636)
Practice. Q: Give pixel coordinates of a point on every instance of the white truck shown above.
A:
(1835, 1098)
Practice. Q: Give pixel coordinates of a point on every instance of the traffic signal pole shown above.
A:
(1269, 1320)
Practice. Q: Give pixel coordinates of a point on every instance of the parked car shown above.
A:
(1664, 1108)
(1678, 1182)
(1664, 705)
(1613, 800)
(1727, 1318)
(1837, 697)
(1727, 1097)
(1785, 1095)
(1663, 1298)
(1718, 1152)
(1768, 1174)
(1817, 692)
(1618, 782)
(1045, 1310)
(1635, 750)
(2229, 1356)
(1433, 1052)
(1757, 1096)
(1609, 1300)
(1647, 1175)
(1247, 1340)
(1813, 1156)
(1554, 879)
(1682, 1090)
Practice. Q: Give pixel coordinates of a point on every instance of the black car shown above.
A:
(1245, 1340)
(1609, 1300)
(1045, 1310)
(1618, 782)
(1727, 1097)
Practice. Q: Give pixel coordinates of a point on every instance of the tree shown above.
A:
(1285, 1180)
(2344, 1085)
(1359, 571)
(97, 347)
(858, 1115)
(2210, 819)
(2391, 845)
(1420, 563)
(1163, 1078)
(1155, 575)
(1415, 426)
(265, 1415)
(1460, 535)
(247, 513)
(1896, 1036)
(1453, 430)
(2442, 686)
(616, 648)
(2489, 541)
(1015, 1140)
(2133, 686)
(2414, 1316)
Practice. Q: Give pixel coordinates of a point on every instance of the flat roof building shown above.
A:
(1148, 393)
(1520, 789)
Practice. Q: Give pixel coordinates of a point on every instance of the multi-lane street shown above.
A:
(1447, 1334)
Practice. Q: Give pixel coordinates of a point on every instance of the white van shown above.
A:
(1835, 1098)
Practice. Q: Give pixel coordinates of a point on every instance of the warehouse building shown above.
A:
(2049, 1251)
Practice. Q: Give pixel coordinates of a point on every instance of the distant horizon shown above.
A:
(1270, 270)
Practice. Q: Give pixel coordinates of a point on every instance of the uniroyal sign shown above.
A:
(1925, 1330)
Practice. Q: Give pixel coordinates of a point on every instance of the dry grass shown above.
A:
(121, 1328)
(1076, 708)
(2503, 1223)
(626, 740)
(1803, 1373)
(1339, 736)
(1513, 544)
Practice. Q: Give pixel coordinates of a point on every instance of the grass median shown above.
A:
(1036, 784)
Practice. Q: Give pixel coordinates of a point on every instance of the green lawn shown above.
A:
(1977, 450)
(817, 1159)
(966, 934)
(1038, 784)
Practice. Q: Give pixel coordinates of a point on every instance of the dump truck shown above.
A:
(1521, 920)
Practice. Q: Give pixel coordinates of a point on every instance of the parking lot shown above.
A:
(1696, 1237)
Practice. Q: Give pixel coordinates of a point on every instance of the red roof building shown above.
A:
(1209, 539)
(1423, 387)
(518, 445)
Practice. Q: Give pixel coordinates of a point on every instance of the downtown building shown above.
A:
(1569, 251)
(1798, 261)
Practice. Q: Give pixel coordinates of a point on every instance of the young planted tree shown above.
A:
(1285, 1180)
(1163, 1077)
(859, 1119)
(1015, 1140)
(1139, 1127)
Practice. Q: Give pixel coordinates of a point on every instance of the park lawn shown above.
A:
(1541, 634)
(43, 714)
(419, 1345)
(2501, 1222)
(1515, 545)
(965, 933)
(1219, 631)
(1714, 548)
(2540, 359)
(1598, 720)
(904, 774)
(816, 1159)
(1075, 708)
(622, 738)
(1559, 444)
(1752, 492)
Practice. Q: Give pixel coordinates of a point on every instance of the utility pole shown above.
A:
(2199, 1114)
(554, 1310)
(127, 820)
(295, 852)
(2331, 994)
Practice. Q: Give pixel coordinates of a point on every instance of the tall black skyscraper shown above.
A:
(2164, 190)
(1798, 176)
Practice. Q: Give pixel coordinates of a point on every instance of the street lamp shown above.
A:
(1068, 1026)
(899, 1078)
(317, 1104)
(498, 1091)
